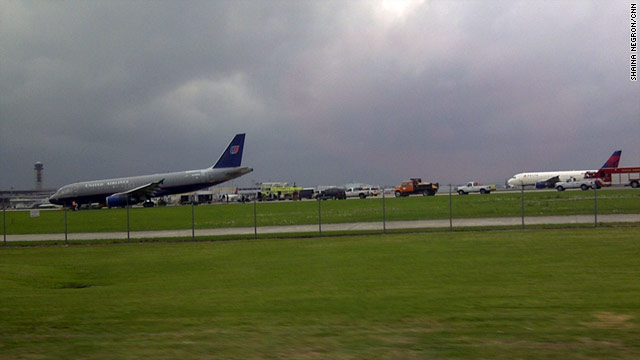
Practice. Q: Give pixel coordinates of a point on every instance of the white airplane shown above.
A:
(548, 179)
(136, 189)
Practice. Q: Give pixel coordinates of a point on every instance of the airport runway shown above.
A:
(390, 225)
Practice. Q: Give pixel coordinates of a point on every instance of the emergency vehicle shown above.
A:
(279, 191)
(622, 176)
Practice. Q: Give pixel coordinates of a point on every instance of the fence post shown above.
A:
(255, 219)
(384, 214)
(4, 222)
(595, 206)
(193, 221)
(450, 209)
(319, 217)
(522, 205)
(66, 241)
(128, 232)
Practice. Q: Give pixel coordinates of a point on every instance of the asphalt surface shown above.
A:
(390, 225)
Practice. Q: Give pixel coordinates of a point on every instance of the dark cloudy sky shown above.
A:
(328, 92)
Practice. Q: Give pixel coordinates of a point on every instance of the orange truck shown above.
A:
(416, 186)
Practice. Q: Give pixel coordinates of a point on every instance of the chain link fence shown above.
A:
(383, 213)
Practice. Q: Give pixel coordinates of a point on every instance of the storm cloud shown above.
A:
(328, 92)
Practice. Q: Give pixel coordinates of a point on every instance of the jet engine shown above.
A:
(118, 200)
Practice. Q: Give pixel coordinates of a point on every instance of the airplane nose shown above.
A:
(54, 200)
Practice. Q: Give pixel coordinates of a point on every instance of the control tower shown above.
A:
(37, 175)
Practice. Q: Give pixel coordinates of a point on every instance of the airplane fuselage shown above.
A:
(97, 191)
(532, 178)
(132, 190)
(550, 178)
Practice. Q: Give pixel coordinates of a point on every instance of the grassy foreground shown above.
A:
(610, 201)
(548, 294)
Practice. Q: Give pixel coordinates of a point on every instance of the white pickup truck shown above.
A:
(357, 191)
(573, 183)
(473, 186)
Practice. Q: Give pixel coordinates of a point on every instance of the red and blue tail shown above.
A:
(613, 160)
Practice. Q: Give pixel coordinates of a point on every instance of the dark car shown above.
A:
(332, 193)
(306, 193)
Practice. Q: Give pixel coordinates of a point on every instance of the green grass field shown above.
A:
(543, 294)
(293, 213)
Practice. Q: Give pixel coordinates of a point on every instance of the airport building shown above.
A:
(30, 198)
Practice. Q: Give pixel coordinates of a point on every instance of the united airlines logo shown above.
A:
(234, 149)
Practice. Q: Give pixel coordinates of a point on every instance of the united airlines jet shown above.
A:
(548, 179)
(136, 189)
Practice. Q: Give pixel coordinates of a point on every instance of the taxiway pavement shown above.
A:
(315, 228)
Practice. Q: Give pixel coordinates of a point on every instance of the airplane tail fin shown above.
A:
(232, 156)
(613, 161)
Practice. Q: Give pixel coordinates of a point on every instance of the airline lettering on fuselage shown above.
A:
(193, 173)
(118, 182)
(108, 183)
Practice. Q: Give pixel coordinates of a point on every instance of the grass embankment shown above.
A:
(306, 212)
(553, 294)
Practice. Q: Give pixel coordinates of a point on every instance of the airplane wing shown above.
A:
(145, 191)
(551, 182)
